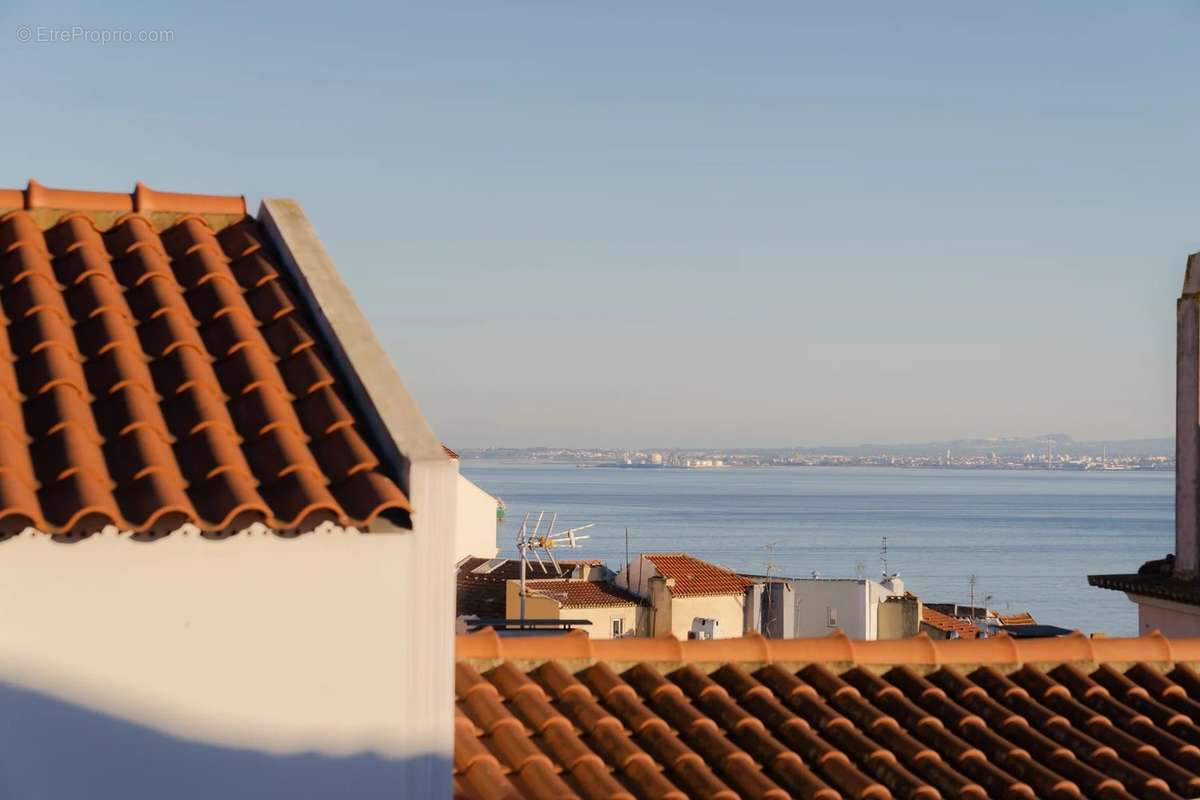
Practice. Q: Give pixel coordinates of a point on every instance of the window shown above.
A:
(618, 627)
(832, 612)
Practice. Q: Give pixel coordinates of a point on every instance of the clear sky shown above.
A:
(702, 224)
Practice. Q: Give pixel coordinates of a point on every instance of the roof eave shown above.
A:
(391, 416)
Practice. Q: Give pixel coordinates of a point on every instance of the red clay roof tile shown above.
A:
(584, 594)
(154, 370)
(948, 624)
(694, 577)
(829, 718)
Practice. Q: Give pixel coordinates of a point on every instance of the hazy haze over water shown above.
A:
(1030, 537)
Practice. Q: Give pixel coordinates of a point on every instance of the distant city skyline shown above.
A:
(683, 223)
(1056, 444)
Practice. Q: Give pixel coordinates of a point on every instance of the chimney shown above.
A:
(660, 605)
(1187, 423)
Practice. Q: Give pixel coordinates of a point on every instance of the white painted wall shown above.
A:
(476, 522)
(639, 572)
(412, 616)
(816, 596)
(728, 609)
(1173, 620)
(278, 665)
(856, 600)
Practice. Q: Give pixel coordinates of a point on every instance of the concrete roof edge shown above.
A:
(392, 416)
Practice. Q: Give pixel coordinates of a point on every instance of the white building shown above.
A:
(476, 519)
(805, 607)
(611, 612)
(688, 597)
(228, 532)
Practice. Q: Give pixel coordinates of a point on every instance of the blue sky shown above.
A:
(687, 225)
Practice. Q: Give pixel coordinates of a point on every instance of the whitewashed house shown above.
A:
(228, 532)
(689, 598)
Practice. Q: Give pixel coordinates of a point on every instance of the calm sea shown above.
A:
(1029, 537)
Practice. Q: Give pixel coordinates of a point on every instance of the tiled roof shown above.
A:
(584, 594)
(510, 569)
(695, 577)
(479, 597)
(450, 453)
(947, 623)
(1024, 618)
(1164, 587)
(827, 718)
(156, 370)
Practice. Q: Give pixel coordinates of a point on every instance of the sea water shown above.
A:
(1030, 538)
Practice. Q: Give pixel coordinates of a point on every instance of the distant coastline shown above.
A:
(1051, 452)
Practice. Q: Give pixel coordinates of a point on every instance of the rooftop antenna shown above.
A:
(883, 555)
(536, 542)
(971, 580)
(771, 569)
(627, 567)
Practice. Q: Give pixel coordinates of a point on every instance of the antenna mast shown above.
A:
(533, 541)
(771, 568)
(883, 556)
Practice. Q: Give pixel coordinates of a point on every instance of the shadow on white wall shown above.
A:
(52, 750)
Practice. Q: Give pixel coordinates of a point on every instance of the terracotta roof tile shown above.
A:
(1024, 618)
(828, 718)
(584, 594)
(948, 624)
(479, 597)
(696, 577)
(155, 370)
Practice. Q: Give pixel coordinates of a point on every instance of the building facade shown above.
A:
(789, 608)
(689, 598)
(610, 612)
(227, 530)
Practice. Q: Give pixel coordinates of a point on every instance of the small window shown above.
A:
(832, 612)
(618, 627)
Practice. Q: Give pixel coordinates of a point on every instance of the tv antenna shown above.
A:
(883, 556)
(971, 581)
(534, 541)
(772, 579)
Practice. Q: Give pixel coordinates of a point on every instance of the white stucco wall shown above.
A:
(541, 607)
(816, 596)
(857, 602)
(1173, 620)
(729, 609)
(636, 575)
(250, 667)
(476, 522)
(602, 618)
